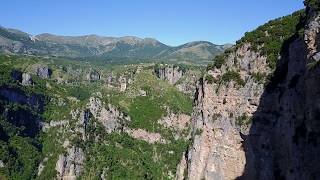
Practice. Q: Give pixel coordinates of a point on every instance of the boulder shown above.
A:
(1, 164)
(70, 166)
(93, 75)
(43, 72)
(26, 79)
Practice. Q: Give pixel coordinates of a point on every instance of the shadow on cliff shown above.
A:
(279, 144)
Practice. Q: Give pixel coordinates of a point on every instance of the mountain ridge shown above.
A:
(19, 42)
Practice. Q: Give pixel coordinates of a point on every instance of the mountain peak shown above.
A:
(113, 47)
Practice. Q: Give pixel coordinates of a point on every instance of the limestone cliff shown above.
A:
(217, 151)
(169, 73)
(283, 141)
(251, 122)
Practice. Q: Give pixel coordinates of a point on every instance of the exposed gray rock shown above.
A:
(144, 135)
(83, 123)
(178, 123)
(93, 75)
(282, 142)
(316, 57)
(312, 31)
(26, 79)
(41, 166)
(217, 151)
(111, 118)
(123, 84)
(284, 138)
(46, 126)
(142, 93)
(1, 164)
(71, 165)
(43, 72)
(182, 168)
(171, 74)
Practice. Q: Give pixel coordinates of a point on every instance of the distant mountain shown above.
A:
(18, 42)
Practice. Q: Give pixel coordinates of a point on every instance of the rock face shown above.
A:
(69, 166)
(178, 123)
(93, 76)
(145, 136)
(284, 137)
(110, 117)
(43, 72)
(123, 84)
(169, 73)
(26, 79)
(23, 78)
(256, 131)
(217, 151)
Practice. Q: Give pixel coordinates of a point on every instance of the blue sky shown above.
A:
(173, 22)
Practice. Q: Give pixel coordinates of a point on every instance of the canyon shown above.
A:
(251, 113)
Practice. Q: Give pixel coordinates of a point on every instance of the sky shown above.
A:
(173, 22)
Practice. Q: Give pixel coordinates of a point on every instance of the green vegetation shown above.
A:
(210, 79)
(313, 65)
(269, 38)
(218, 61)
(233, 76)
(20, 150)
(198, 132)
(23, 145)
(122, 157)
(315, 4)
(243, 120)
(146, 110)
(258, 77)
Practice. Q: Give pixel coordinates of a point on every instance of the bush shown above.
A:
(243, 120)
(233, 76)
(209, 78)
(315, 4)
(218, 61)
(258, 77)
(271, 36)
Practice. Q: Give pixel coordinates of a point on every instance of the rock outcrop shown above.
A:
(26, 79)
(217, 151)
(171, 74)
(145, 135)
(93, 75)
(283, 141)
(250, 130)
(43, 72)
(1, 164)
(69, 166)
(23, 78)
(178, 123)
(108, 116)
(123, 84)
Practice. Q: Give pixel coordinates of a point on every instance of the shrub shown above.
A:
(258, 77)
(271, 36)
(209, 78)
(315, 4)
(243, 120)
(233, 76)
(198, 132)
